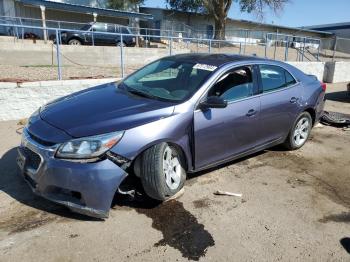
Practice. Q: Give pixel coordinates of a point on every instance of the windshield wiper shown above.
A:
(140, 93)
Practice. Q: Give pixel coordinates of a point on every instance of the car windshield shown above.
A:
(168, 79)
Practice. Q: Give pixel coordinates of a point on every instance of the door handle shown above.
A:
(293, 100)
(251, 112)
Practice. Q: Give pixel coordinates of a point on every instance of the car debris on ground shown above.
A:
(225, 193)
(335, 119)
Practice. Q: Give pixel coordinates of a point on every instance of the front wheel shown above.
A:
(162, 172)
(300, 132)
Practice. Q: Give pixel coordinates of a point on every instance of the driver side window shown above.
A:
(234, 85)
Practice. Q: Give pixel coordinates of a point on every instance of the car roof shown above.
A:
(215, 59)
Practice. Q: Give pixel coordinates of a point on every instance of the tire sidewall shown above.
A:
(69, 42)
(152, 173)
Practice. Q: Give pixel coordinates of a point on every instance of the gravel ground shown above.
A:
(295, 207)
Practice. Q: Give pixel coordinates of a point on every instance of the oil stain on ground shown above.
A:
(26, 221)
(201, 203)
(343, 217)
(181, 230)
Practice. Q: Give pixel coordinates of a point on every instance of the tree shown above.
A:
(218, 9)
(123, 4)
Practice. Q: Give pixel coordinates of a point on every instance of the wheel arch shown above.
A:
(312, 113)
(76, 38)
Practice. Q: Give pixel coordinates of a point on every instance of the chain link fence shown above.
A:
(335, 49)
(57, 59)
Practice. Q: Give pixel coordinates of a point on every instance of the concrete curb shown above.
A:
(58, 83)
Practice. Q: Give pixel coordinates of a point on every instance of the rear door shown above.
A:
(280, 97)
(100, 36)
(220, 133)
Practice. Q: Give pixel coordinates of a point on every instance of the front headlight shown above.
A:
(88, 147)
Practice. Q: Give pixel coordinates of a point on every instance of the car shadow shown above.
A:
(13, 184)
(341, 96)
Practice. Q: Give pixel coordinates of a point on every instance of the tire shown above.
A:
(121, 44)
(300, 132)
(162, 171)
(74, 41)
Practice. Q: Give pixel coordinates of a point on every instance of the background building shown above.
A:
(338, 29)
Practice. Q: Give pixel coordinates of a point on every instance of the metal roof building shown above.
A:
(338, 29)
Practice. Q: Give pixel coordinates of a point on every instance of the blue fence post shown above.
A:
(302, 58)
(275, 49)
(121, 55)
(59, 72)
(245, 40)
(92, 37)
(171, 46)
(318, 50)
(266, 38)
(286, 49)
(209, 46)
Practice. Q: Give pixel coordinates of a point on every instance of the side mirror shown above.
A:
(213, 102)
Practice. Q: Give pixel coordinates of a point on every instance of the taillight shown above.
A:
(324, 86)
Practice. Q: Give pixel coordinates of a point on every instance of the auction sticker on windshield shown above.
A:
(205, 67)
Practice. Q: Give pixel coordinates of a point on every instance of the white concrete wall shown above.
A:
(45, 54)
(337, 72)
(311, 68)
(20, 101)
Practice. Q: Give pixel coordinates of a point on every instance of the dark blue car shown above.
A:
(177, 115)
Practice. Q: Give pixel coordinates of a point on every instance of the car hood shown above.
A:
(103, 109)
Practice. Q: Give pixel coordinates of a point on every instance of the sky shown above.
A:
(297, 13)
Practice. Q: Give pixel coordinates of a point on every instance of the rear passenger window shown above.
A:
(275, 77)
(111, 28)
(99, 27)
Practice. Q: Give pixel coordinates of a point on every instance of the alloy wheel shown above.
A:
(301, 131)
(171, 168)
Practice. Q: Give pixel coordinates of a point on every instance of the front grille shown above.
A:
(39, 140)
(33, 158)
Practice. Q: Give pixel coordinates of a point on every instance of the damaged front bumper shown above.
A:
(86, 188)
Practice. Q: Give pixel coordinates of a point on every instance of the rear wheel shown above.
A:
(121, 44)
(74, 42)
(162, 171)
(300, 132)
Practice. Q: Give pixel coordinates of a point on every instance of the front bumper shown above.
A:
(86, 188)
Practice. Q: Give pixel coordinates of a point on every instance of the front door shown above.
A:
(220, 133)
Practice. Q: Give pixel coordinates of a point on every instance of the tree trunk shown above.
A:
(219, 9)
(220, 28)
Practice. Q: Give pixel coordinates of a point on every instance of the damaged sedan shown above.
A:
(177, 115)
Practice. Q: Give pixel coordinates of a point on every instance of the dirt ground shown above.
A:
(295, 207)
